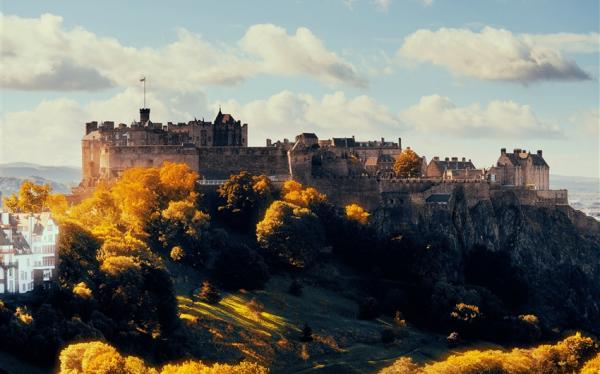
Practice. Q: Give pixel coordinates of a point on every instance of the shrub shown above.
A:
(368, 308)
(241, 267)
(306, 334)
(357, 213)
(209, 294)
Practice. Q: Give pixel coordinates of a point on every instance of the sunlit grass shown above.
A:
(234, 309)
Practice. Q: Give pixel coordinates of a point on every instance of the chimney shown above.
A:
(436, 158)
(539, 152)
(382, 141)
(454, 158)
(400, 143)
(502, 151)
(446, 159)
(463, 159)
(353, 137)
(144, 115)
(517, 150)
(268, 142)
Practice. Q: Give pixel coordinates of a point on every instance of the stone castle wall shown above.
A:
(221, 162)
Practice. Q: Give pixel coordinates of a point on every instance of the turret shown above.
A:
(144, 115)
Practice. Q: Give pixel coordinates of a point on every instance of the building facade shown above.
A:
(521, 169)
(453, 169)
(27, 251)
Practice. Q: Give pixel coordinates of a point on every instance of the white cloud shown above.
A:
(497, 54)
(301, 53)
(51, 132)
(427, 2)
(505, 119)
(39, 53)
(287, 114)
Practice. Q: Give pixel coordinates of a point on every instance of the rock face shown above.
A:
(556, 249)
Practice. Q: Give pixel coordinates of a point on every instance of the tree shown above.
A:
(241, 267)
(290, 234)
(31, 198)
(294, 193)
(76, 251)
(208, 293)
(244, 197)
(357, 213)
(408, 164)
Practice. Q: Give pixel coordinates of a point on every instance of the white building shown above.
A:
(27, 251)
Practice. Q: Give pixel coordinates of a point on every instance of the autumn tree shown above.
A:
(244, 196)
(357, 213)
(408, 164)
(290, 234)
(31, 198)
(76, 249)
(293, 192)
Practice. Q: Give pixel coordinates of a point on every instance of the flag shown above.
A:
(143, 79)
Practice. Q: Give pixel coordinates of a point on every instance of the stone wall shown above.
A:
(221, 162)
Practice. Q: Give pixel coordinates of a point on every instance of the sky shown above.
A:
(452, 78)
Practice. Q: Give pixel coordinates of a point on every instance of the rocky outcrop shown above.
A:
(556, 249)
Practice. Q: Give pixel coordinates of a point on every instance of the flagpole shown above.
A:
(144, 92)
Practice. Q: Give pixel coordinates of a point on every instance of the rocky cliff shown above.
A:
(556, 249)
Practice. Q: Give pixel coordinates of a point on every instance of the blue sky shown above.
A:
(452, 78)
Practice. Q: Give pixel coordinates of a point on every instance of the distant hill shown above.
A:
(66, 175)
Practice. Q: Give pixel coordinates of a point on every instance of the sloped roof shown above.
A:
(344, 142)
(535, 158)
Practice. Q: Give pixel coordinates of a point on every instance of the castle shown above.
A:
(347, 169)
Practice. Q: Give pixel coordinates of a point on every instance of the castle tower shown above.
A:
(144, 115)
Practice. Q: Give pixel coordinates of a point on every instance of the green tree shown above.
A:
(290, 234)
(408, 164)
(244, 198)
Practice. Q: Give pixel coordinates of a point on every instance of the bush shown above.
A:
(241, 267)
(368, 308)
(209, 294)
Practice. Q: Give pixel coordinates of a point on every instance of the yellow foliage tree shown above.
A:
(408, 164)
(592, 366)
(294, 193)
(566, 356)
(82, 290)
(31, 198)
(290, 233)
(115, 265)
(100, 358)
(357, 213)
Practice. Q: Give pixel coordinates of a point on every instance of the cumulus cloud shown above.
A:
(301, 53)
(498, 54)
(505, 119)
(51, 132)
(39, 53)
(287, 114)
